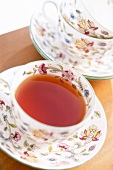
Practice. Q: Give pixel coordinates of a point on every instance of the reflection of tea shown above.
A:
(51, 100)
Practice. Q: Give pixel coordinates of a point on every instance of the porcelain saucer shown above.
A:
(41, 152)
(45, 38)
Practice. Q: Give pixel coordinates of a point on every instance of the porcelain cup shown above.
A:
(86, 16)
(60, 71)
(90, 17)
(76, 43)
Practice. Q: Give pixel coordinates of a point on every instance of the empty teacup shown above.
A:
(90, 17)
(77, 44)
(51, 97)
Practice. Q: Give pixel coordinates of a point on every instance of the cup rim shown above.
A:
(46, 125)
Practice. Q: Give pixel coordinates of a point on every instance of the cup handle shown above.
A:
(50, 16)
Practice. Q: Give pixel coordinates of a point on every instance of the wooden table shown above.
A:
(16, 49)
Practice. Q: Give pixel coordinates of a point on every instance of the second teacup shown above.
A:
(76, 43)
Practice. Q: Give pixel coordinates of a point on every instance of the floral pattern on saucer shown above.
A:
(76, 149)
(45, 37)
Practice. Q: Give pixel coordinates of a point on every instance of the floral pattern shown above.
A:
(84, 44)
(91, 134)
(68, 75)
(61, 72)
(93, 66)
(37, 152)
(78, 44)
(79, 20)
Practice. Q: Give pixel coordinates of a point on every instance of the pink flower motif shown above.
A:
(42, 69)
(1, 104)
(61, 56)
(105, 32)
(32, 146)
(63, 146)
(68, 75)
(42, 31)
(17, 136)
(84, 44)
(26, 153)
(86, 26)
(90, 134)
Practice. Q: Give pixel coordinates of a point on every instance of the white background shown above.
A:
(15, 14)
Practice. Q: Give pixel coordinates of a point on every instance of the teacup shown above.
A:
(81, 45)
(77, 44)
(56, 124)
(87, 17)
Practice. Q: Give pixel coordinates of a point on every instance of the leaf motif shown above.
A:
(12, 125)
(36, 66)
(57, 48)
(50, 148)
(75, 136)
(78, 11)
(85, 154)
(26, 143)
(70, 61)
(5, 128)
(84, 150)
(97, 114)
(29, 149)
(70, 139)
(8, 107)
(30, 72)
(72, 51)
(60, 67)
(71, 35)
(64, 27)
(54, 70)
(58, 154)
(8, 146)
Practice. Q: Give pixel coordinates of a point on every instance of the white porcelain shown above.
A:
(87, 17)
(62, 72)
(37, 151)
(46, 39)
(76, 43)
(101, 13)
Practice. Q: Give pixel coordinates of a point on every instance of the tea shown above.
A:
(50, 100)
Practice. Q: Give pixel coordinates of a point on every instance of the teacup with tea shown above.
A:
(50, 96)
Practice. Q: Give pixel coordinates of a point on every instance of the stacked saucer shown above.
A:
(78, 37)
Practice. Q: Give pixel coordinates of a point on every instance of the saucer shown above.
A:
(40, 151)
(45, 37)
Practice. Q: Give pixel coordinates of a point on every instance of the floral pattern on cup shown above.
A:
(79, 21)
(37, 151)
(59, 72)
(76, 43)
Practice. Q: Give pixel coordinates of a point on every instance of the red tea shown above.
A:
(50, 100)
